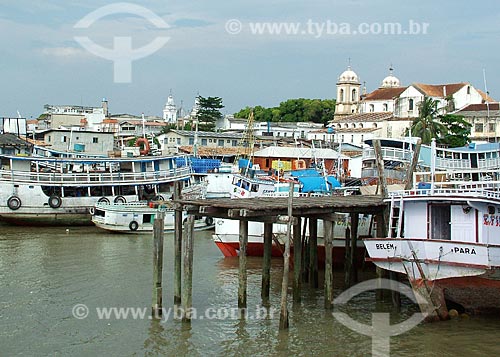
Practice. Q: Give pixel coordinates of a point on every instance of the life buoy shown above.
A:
(14, 202)
(120, 199)
(91, 211)
(158, 198)
(209, 221)
(144, 142)
(133, 226)
(55, 201)
(103, 200)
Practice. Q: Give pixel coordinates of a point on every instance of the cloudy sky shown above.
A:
(216, 48)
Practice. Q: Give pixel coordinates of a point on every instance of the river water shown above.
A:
(45, 272)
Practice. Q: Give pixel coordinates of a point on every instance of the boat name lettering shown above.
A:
(461, 250)
(385, 246)
(491, 220)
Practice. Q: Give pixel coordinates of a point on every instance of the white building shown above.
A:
(76, 115)
(348, 93)
(170, 111)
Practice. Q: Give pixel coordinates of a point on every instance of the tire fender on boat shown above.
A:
(120, 199)
(14, 202)
(103, 200)
(55, 201)
(209, 221)
(91, 211)
(133, 226)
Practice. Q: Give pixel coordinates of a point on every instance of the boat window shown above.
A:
(96, 191)
(440, 222)
(98, 212)
(245, 185)
(148, 218)
(255, 188)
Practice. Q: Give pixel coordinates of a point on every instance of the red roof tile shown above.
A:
(385, 93)
(437, 90)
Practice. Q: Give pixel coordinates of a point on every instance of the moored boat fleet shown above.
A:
(443, 233)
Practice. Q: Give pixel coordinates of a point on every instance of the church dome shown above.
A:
(348, 76)
(390, 81)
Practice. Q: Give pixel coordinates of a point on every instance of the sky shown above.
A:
(223, 48)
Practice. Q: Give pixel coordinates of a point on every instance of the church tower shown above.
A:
(348, 93)
(170, 111)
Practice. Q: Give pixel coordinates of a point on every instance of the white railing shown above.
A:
(389, 154)
(94, 177)
(444, 163)
(478, 192)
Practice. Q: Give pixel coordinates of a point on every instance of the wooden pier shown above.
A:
(286, 210)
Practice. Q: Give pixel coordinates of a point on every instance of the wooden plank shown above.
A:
(354, 248)
(313, 252)
(187, 288)
(328, 234)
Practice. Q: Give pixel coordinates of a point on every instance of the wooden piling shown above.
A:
(177, 245)
(313, 252)
(266, 264)
(297, 261)
(157, 303)
(305, 253)
(328, 233)
(187, 287)
(348, 260)
(242, 287)
(354, 248)
(286, 264)
(381, 273)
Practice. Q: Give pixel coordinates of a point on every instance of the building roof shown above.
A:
(295, 152)
(480, 107)
(385, 93)
(364, 117)
(147, 123)
(439, 90)
(485, 96)
(206, 134)
(213, 151)
(9, 139)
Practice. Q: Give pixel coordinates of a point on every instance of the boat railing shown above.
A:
(448, 163)
(93, 177)
(389, 154)
(476, 190)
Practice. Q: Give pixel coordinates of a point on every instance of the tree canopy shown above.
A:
(293, 110)
(209, 112)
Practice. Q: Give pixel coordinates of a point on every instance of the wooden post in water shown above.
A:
(328, 233)
(313, 252)
(286, 264)
(266, 264)
(242, 287)
(157, 302)
(187, 287)
(348, 261)
(305, 253)
(381, 273)
(297, 260)
(354, 247)
(177, 245)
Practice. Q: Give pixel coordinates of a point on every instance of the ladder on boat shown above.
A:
(395, 218)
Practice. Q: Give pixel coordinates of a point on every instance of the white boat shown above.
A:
(226, 235)
(52, 190)
(138, 217)
(444, 235)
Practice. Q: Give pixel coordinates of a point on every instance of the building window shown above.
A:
(491, 127)
(478, 127)
(372, 108)
(178, 141)
(209, 140)
(191, 141)
(468, 89)
(361, 125)
(385, 107)
(353, 95)
(346, 125)
(204, 141)
(342, 138)
(410, 104)
(284, 135)
(352, 138)
(353, 126)
(228, 141)
(220, 142)
(341, 96)
(235, 143)
(63, 139)
(48, 138)
(375, 125)
(362, 138)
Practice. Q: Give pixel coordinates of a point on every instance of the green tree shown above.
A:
(457, 130)
(209, 112)
(426, 125)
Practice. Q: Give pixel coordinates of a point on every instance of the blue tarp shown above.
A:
(305, 173)
(333, 181)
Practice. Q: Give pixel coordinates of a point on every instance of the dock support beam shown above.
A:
(177, 246)
(354, 248)
(187, 288)
(313, 252)
(157, 303)
(328, 233)
(266, 264)
(297, 261)
(286, 264)
(242, 287)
